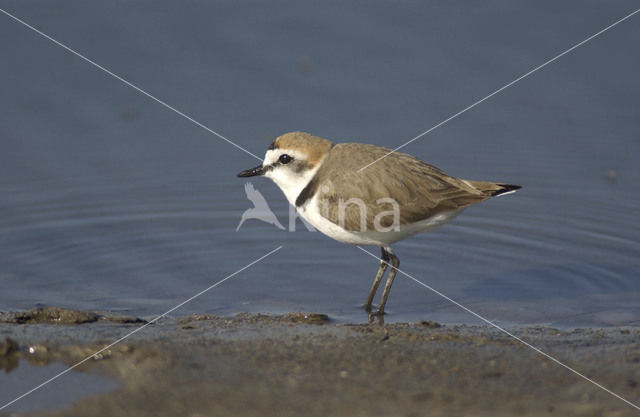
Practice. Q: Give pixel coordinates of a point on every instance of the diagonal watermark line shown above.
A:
(502, 88)
(135, 87)
(530, 346)
(53, 378)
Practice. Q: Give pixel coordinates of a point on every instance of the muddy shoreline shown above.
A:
(304, 364)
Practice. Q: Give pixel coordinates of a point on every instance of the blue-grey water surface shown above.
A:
(110, 201)
(25, 377)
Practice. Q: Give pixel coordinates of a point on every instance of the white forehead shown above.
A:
(272, 155)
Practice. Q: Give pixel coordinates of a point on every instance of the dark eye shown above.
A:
(285, 159)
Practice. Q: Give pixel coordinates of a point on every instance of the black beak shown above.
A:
(252, 172)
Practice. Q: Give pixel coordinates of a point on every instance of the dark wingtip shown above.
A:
(506, 188)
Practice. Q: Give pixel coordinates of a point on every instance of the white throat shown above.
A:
(290, 182)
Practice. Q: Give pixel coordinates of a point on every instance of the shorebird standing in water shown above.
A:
(367, 195)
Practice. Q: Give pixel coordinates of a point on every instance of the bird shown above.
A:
(260, 209)
(365, 194)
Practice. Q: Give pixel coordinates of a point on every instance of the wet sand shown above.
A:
(305, 365)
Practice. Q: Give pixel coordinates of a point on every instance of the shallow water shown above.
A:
(110, 201)
(59, 393)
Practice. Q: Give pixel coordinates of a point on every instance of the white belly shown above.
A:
(311, 213)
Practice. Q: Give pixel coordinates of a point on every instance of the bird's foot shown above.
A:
(376, 317)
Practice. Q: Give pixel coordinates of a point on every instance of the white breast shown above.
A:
(311, 213)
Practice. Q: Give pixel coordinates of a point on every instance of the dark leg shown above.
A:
(395, 264)
(384, 258)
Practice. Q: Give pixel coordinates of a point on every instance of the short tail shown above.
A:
(505, 189)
